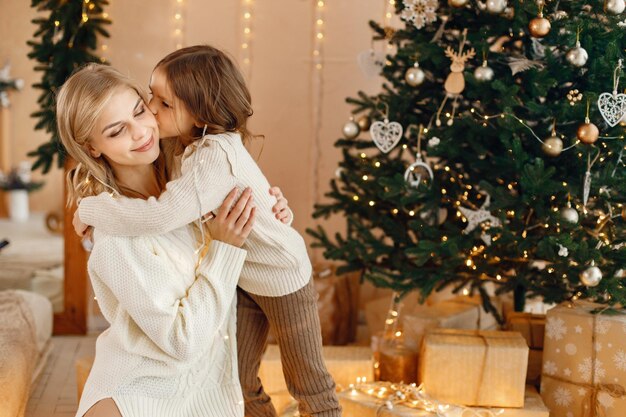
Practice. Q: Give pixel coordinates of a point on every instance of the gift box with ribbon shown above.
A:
(460, 312)
(532, 328)
(474, 368)
(584, 361)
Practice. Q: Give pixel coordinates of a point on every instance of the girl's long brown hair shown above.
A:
(210, 86)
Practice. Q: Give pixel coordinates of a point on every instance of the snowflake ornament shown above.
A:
(419, 12)
(563, 251)
(555, 328)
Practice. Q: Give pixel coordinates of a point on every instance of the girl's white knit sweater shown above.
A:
(171, 348)
(277, 262)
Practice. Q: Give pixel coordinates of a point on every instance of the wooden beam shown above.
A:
(73, 319)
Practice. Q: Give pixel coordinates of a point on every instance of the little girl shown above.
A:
(200, 98)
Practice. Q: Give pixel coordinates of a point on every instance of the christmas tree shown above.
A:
(495, 153)
(66, 39)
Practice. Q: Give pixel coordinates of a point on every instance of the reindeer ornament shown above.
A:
(455, 83)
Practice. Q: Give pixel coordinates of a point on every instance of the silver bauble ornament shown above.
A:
(496, 6)
(577, 56)
(351, 129)
(591, 276)
(414, 76)
(553, 146)
(483, 73)
(615, 6)
(569, 214)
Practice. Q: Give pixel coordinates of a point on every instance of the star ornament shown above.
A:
(477, 217)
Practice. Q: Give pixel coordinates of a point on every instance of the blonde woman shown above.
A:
(170, 298)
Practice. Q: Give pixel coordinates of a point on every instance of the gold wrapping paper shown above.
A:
(376, 311)
(345, 364)
(356, 404)
(474, 368)
(584, 362)
(457, 313)
(397, 364)
(531, 326)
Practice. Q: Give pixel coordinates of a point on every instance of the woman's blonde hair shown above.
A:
(80, 102)
(210, 86)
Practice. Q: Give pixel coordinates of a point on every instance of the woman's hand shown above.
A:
(233, 226)
(281, 209)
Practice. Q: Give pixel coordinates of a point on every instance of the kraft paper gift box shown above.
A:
(376, 311)
(531, 326)
(345, 364)
(356, 404)
(461, 312)
(474, 368)
(584, 361)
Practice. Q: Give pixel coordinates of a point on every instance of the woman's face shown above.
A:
(126, 132)
(173, 118)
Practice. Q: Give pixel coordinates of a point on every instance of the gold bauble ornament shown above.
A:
(587, 133)
(553, 146)
(591, 276)
(457, 3)
(364, 123)
(539, 27)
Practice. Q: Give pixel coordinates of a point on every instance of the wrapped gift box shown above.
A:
(531, 326)
(345, 364)
(460, 312)
(474, 368)
(356, 404)
(376, 311)
(584, 361)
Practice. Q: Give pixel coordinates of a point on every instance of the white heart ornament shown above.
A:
(612, 107)
(386, 135)
(371, 62)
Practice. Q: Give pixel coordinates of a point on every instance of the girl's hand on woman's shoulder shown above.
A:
(233, 225)
(281, 209)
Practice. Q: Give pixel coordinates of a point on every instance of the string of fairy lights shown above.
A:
(245, 54)
(317, 90)
(179, 23)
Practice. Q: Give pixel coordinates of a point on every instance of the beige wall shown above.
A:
(281, 77)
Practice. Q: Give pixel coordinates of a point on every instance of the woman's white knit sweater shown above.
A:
(277, 261)
(171, 348)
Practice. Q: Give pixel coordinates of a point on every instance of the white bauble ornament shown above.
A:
(484, 73)
(615, 6)
(553, 146)
(414, 76)
(496, 6)
(591, 276)
(351, 129)
(577, 56)
(569, 214)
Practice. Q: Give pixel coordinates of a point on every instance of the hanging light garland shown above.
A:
(179, 23)
(246, 37)
(319, 35)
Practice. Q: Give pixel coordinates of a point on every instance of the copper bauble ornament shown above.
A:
(552, 146)
(457, 3)
(539, 27)
(364, 123)
(587, 133)
(351, 130)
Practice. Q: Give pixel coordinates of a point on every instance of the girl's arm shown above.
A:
(141, 281)
(207, 177)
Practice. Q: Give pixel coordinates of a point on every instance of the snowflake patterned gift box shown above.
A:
(474, 368)
(584, 361)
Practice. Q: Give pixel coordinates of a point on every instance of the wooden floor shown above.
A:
(54, 393)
